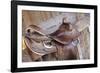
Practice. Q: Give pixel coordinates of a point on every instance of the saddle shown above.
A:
(59, 45)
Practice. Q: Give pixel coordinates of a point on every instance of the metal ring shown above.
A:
(47, 46)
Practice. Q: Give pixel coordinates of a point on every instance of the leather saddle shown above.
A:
(59, 45)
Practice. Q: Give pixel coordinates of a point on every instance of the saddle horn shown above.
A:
(68, 25)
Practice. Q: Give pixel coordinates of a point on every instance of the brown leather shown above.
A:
(62, 43)
(65, 35)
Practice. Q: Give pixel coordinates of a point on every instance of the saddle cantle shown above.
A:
(63, 42)
(36, 42)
